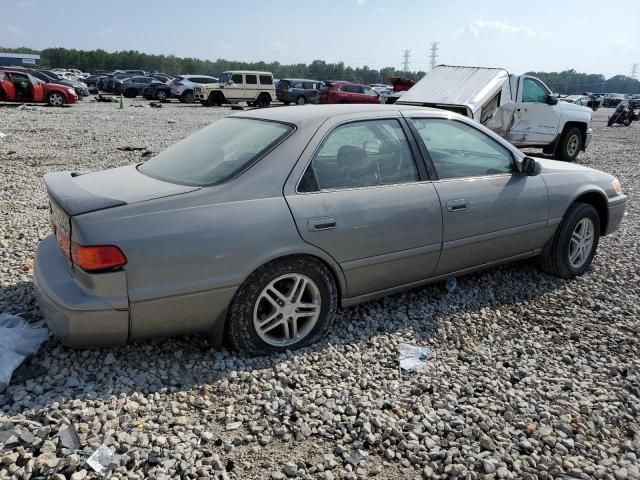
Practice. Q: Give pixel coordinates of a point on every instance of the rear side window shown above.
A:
(308, 85)
(361, 154)
(251, 79)
(266, 80)
(458, 150)
(216, 153)
(298, 85)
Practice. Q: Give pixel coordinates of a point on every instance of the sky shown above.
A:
(588, 36)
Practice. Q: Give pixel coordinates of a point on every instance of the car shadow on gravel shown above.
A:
(61, 374)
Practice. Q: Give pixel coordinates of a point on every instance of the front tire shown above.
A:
(301, 100)
(55, 99)
(575, 242)
(570, 144)
(161, 95)
(187, 97)
(284, 305)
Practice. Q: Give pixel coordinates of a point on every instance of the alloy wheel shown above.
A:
(581, 243)
(287, 309)
(56, 100)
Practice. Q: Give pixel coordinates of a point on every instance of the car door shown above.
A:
(7, 90)
(535, 121)
(251, 87)
(360, 194)
(491, 211)
(235, 90)
(371, 96)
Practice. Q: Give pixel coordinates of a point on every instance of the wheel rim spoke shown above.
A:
(581, 242)
(287, 309)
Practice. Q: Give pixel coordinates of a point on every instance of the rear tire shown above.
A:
(557, 258)
(301, 100)
(161, 95)
(131, 93)
(263, 100)
(251, 307)
(187, 97)
(570, 145)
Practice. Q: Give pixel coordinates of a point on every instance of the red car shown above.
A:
(346, 92)
(17, 86)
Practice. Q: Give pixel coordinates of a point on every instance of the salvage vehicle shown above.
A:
(520, 108)
(297, 90)
(255, 88)
(347, 92)
(134, 86)
(21, 87)
(256, 228)
(182, 87)
(623, 115)
(157, 91)
(80, 88)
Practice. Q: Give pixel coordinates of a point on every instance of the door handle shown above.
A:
(457, 205)
(321, 223)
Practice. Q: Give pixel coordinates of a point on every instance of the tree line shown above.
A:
(566, 82)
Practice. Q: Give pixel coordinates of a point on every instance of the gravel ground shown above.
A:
(534, 377)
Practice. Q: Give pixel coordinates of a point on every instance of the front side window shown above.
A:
(297, 85)
(370, 91)
(266, 80)
(361, 154)
(216, 153)
(251, 79)
(533, 91)
(459, 150)
(237, 78)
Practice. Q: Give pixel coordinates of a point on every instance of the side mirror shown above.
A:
(551, 99)
(530, 167)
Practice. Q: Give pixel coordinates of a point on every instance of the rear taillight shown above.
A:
(93, 259)
(97, 258)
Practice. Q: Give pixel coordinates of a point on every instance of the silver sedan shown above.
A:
(258, 227)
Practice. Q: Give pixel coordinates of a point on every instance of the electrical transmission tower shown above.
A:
(405, 60)
(434, 54)
(634, 70)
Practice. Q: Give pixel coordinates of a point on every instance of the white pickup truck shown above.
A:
(520, 108)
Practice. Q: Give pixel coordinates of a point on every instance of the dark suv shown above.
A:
(298, 90)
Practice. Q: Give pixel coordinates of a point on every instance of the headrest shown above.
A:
(350, 156)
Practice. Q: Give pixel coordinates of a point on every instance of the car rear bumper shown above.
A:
(75, 316)
(616, 213)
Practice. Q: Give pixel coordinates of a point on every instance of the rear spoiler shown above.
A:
(73, 199)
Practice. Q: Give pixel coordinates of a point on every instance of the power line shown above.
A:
(434, 54)
(405, 60)
(634, 70)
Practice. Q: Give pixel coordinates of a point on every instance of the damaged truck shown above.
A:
(519, 108)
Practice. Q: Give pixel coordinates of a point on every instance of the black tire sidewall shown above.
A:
(576, 213)
(240, 330)
(301, 97)
(565, 143)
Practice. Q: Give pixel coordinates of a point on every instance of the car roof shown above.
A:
(319, 113)
(300, 80)
(248, 71)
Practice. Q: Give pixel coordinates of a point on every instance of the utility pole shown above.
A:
(634, 70)
(405, 60)
(434, 54)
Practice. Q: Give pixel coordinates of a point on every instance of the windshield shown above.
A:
(217, 152)
(225, 77)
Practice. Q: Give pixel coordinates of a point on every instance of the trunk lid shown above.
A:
(76, 194)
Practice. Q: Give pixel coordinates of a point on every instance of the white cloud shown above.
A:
(361, 2)
(484, 28)
(224, 45)
(106, 31)
(14, 30)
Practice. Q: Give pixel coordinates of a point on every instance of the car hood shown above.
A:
(552, 167)
(83, 193)
(574, 108)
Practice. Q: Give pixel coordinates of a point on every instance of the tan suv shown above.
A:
(255, 88)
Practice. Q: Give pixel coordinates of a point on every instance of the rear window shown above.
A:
(216, 153)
